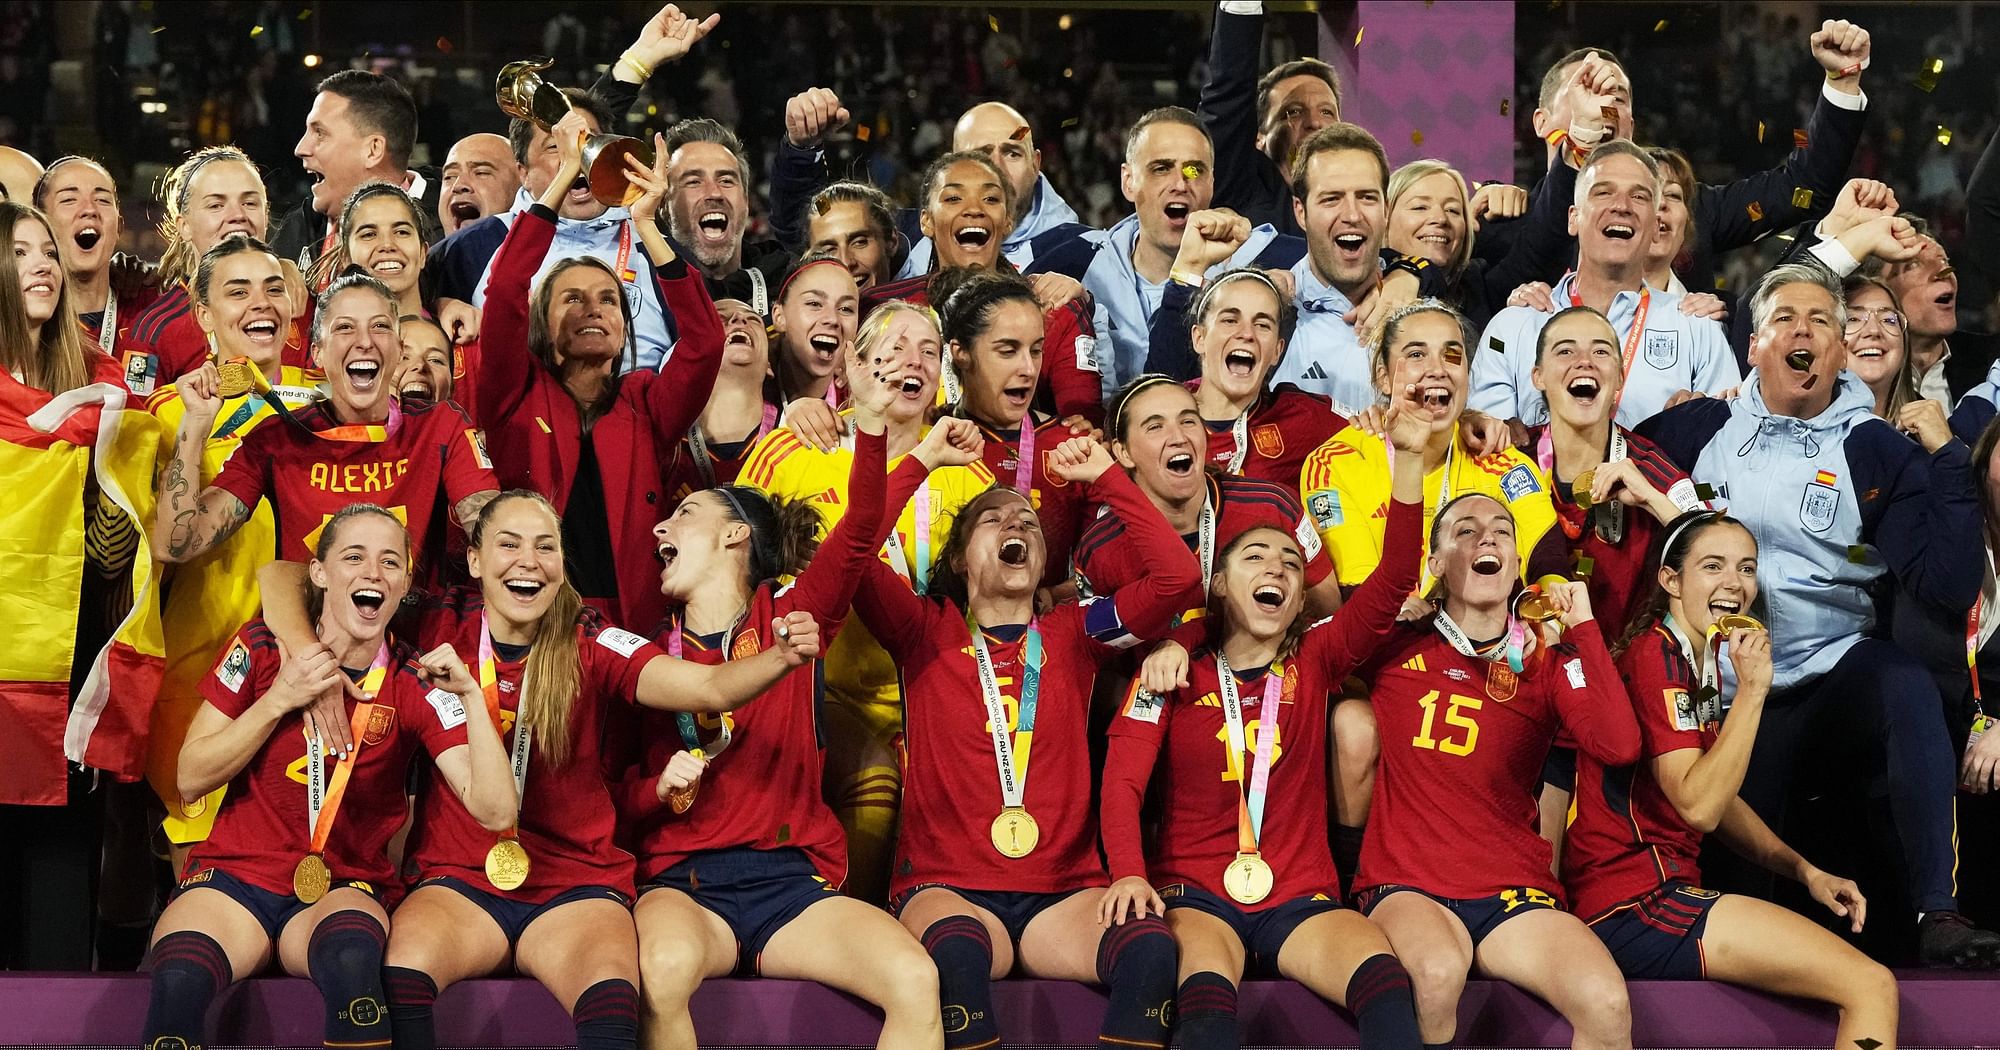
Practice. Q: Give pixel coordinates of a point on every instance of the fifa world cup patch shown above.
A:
(1519, 482)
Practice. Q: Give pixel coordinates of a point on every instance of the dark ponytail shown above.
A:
(1669, 550)
(783, 533)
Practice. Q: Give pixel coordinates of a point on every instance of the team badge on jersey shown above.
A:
(1818, 505)
(1145, 706)
(1269, 440)
(1662, 349)
(234, 669)
(381, 722)
(745, 647)
(1519, 482)
(1501, 681)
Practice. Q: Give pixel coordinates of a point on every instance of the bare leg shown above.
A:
(1437, 951)
(1553, 955)
(858, 949)
(681, 944)
(1761, 945)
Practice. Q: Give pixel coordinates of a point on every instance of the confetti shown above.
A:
(1416, 138)
(1609, 113)
(1069, 122)
(862, 132)
(1943, 135)
(1505, 105)
(1799, 138)
(444, 44)
(256, 31)
(1704, 492)
(1801, 197)
(1811, 381)
(1857, 554)
(1756, 211)
(1660, 26)
(1927, 77)
(1191, 172)
(1584, 565)
(993, 23)
(1760, 131)
(1357, 35)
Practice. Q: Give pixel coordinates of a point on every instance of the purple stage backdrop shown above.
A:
(1428, 79)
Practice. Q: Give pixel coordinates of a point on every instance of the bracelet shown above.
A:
(1192, 280)
(638, 68)
(1410, 264)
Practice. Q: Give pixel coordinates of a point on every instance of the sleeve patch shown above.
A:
(1102, 622)
(1519, 482)
(1684, 494)
(477, 439)
(620, 641)
(1086, 353)
(1145, 706)
(1324, 505)
(1308, 538)
(450, 711)
(234, 669)
(1574, 669)
(1681, 711)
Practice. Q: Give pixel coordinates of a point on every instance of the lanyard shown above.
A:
(1610, 522)
(625, 254)
(107, 335)
(760, 297)
(1972, 654)
(1010, 750)
(1240, 431)
(489, 685)
(366, 433)
(1517, 635)
(704, 462)
(1632, 338)
(1206, 548)
(684, 721)
(1251, 794)
(1444, 479)
(1023, 449)
(919, 573)
(323, 798)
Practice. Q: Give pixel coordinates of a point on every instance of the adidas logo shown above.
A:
(831, 495)
(1415, 663)
(1316, 370)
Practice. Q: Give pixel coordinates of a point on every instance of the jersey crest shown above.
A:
(1817, 507)
(1662, 349)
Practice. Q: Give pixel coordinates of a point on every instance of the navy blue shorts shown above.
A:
(1481, 915)
(1262, 932)
(1014, 909)
(514, 916)
(271, 910)
(1658, 936)
(755, 891)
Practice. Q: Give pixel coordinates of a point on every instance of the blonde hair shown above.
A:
(1417, 171)
(177, 263)
(554, 669)
(52, 361)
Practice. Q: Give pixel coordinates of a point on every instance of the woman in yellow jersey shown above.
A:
(864, 716)
(241, 303)
(1345, 482)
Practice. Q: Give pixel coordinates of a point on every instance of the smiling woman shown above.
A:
(385, 235)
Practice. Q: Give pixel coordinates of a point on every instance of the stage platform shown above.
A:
(1940, 1009)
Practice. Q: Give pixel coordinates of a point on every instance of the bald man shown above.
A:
(480, 179)
(1043, 221)
(18, 174)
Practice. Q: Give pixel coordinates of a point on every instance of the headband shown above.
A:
(1707, 517)
(803, 267)
(1140, 385)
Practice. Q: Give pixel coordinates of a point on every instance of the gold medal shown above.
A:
(1579, 489)
(1248, 878)
(235, 377)
(1737, 622)
(682, 799)
(311, 879)
(507, 865)
(1537, 605)
(1015, 832)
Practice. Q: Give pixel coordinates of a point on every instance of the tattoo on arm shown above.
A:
(468, 508)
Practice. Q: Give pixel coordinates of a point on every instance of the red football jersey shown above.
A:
(1105, 563)
(1284, 428)
(567, 816)
(168, 328)
(764, 791)
(1194, 828)
(685, 476)
(308, 479)
(1627, 838)
(1068, 386)
(951, 789)
(1463, 742)
(1061, 505)
(261, 832)
(1617, 571)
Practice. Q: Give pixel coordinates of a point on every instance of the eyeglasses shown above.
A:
(1890, 320)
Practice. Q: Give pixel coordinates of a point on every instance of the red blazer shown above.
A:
(532, 425)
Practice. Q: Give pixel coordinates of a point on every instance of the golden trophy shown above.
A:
(524, 95)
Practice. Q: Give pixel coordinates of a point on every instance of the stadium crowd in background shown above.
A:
(641, 540)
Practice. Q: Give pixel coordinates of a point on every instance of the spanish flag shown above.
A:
(1825, 477)
(56, 453)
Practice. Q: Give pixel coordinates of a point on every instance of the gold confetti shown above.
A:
(1416, 138)
(1799, 138)
(1660, 26)
(1943, 135)
(1191, 172)
(1760, 131)
(862, 132)
(1756, 211)
(993, 23)
(1704, 492)
(1357, 35)
(1857, 554)
(1801, 197)
(1584, 565)
(1069, 122)
(1927, 77)
(256, 31)
(1505, 105)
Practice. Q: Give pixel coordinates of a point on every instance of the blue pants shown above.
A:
(1876, 698)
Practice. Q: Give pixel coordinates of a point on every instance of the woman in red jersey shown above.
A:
(814, 320)
(1631, 859)
(1452, 868)
(1241, 326)
(560, 417)
(1247, 892)
(992, 329)
(551, 894)
(997, 866)
(741, 866)
(297, 867)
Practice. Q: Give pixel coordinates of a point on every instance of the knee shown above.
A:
(1437, 978)
(1141, 952)
(908, 979)
(670, 968)
(1871, 985)
(1602, 1006)
(1355, 740)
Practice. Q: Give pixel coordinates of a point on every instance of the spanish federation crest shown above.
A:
(1662, 349)
(1817, 507)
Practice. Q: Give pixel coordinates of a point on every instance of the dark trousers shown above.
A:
(49, 857)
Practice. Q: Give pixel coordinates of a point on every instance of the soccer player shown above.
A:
(80, 199)
(737, 415)
(993, 333)
(381, 232)
(242, 303)
(297, 870)
(216, 192)
(1664, 351)
(426, 372)
(1158, 437)
(1468, 701)
(814, 318)
(1837, 501)
(995, 879)
(1250, 887)
(362, 442)
(548, 670)
(562, 419)
(741, 865)
(1630, 861)
(864, 707)
(855, 223)
(967, 212)
(1242, 325)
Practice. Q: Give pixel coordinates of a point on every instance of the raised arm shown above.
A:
(799, 169)
(189, 519)
(826, 587)
(669, 684)
(676, 397)
(1354, 633)
(1702, 785)
(1929, 524)
(1588, 691)
(219, 744)
(506, 369)
(1245, 179)
(1144, 608)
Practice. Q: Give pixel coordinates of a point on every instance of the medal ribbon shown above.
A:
(1710, 673)
(1240, 431)
(1517, 636)
(684, 721)
(625, 253)
(1206, 550)
(489, 686)
(1611, 520)
(1632, 338)
(1972, 655)
(107, 335)
(704, 463)
(323, 798)
(1252, 792)
(1024, 457)
(1010, 751)
(367, 433)
(919, 572)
